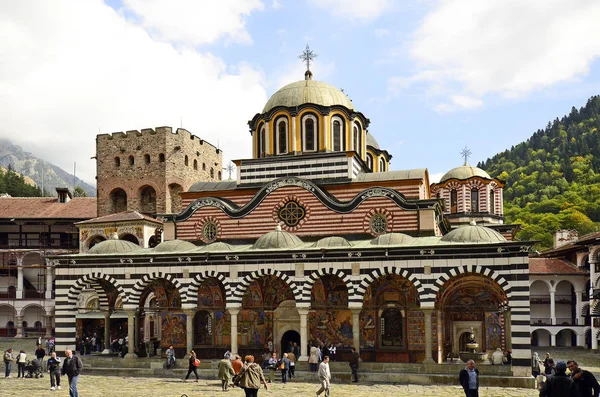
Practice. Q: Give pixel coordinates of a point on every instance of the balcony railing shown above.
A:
(563, 298)
(539, 298)
(565, 321)
(39, 244)
(540, 321)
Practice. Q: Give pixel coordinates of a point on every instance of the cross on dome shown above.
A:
(307, 56)
(466, 153)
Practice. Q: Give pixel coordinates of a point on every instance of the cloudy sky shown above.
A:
(433, 76)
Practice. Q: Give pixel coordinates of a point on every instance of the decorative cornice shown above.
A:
(234, 211)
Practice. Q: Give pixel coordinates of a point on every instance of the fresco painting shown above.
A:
(173, 329)
(493, 331)
(222, 328)
(267, 293)
(210, 294)
(367, 329)
(331, 326)
(329, 291)
(255, 328)
(391, 289)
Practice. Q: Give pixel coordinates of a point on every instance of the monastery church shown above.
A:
(314, 241)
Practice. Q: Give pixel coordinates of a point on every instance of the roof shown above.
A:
(371, 141)
(277, 239)
(308, 91)
(113, 246)
(174, 246)
(553, 266)
(465, 172)
(334, 241)
(473, 234)
(212, 186)
(121, 217)
(47, 208)
(418, 173)
(392, 239)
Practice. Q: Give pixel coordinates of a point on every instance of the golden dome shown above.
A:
(308, 91)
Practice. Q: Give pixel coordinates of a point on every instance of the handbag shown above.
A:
(196, 363)
(281, 366)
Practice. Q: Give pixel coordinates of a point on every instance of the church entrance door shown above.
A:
(289, 337)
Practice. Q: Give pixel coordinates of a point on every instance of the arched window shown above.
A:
(392, 328)
(212, 173)
(195, 164)
(282, 135)
(474, 200)
(261, 144)
(131, 160)
(117, 162)
(219, 174)
(381, 165)
(370, 161)
(203, 167)
(147, 158)
(186, 160)
(356, 141)
(309, 133)
(453, 201)
(161, 158)
(492, 209)
(337, 131)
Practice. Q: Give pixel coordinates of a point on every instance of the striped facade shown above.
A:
(427, 269)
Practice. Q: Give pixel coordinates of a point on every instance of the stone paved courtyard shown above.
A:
(100, 386)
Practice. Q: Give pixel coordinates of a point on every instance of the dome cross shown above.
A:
(307, 56)
(466, 153)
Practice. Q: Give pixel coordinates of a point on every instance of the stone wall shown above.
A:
(151, 168)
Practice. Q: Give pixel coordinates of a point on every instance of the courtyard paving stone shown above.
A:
(102, 386)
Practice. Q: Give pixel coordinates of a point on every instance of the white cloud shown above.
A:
(381, 32)
(355, 10)
(295, 71)
(435, 177)
(195, 22)
(473, 48)
(72, 68)
(459, 102)
(276, 4)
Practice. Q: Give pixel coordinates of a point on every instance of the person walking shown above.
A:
(548, 363)
(237, 364)
(354, 360)
(292, 371)
(40, 353)
(54, 371)
(193, 364)
(251, 377)
(313, 359)
(8, 359)
(272, 367)
(535, 365)
(72, 368)
(559, 384)
(170, 353)
(21, 362)
(324, 377)
(469, 379)
(584, 382)
(285, 361)
(226, 372)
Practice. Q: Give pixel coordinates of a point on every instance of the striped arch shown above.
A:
(102, 297)
(377, 273)
(92, 279)
(192, 291)
(594, 254)
(478, 269)
(140, 286)
(595, 311)
(585, 309)
(241, 288)
(312, 279)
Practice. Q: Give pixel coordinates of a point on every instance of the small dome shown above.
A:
(473, 234)
(174, 246)
(464, 172)
(277, 239)
(308, 91)
(371, 141)
(330, 242)
(392, 239)
(218, 246)
(114, 246)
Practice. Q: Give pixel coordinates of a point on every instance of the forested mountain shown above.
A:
(553, 179)
(37, 169)
(16, 184)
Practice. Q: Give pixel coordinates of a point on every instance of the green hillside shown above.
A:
(553, 179)
(16, 185)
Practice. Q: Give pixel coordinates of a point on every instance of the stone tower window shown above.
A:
(219, 175)
(212, 173)
(186, 160)
(492, 209)
(292, 213)
(161, 158)
(131, 160)
(474, 200)
(195, 164)
(378, 224)
(117, 162)
(203, 167)
(210, 231)
(147, 158)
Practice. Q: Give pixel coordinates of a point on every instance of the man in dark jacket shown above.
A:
(354, 359)
(559, 384)
(585, 382)
(469, 379)
(72, 368)
(54, 370)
